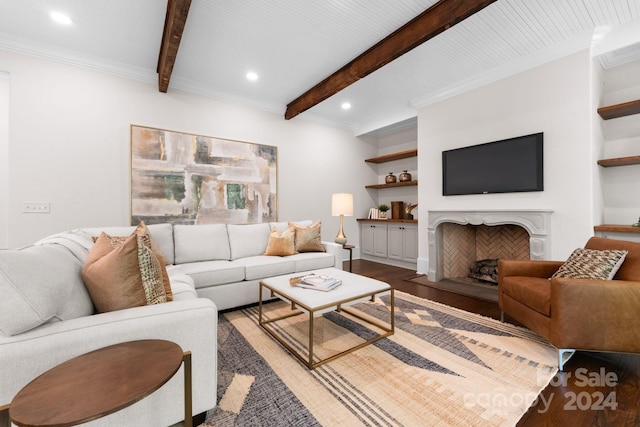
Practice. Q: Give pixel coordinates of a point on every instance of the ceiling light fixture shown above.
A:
(252, 76)
(346, 105)
(61, 18)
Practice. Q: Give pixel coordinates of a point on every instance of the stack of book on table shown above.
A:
(319, 282)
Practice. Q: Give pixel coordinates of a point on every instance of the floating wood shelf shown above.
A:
(620, 161)
(620, 110)
(394, 156)
(617, 228)
(395, 184)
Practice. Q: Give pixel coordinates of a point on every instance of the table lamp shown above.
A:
(341, 205)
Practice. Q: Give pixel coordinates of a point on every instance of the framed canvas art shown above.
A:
(182, 178)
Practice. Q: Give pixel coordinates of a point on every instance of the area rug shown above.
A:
(481, 291)
(442, 367)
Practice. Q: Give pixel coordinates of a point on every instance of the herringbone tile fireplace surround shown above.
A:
(463, 245)
(457, 239)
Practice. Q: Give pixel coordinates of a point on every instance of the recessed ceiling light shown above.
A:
(346, 105)
(252, 76)
(61, 18)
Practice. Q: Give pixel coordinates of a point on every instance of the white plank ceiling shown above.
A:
(294, 44)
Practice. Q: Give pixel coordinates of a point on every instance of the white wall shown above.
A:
(69, 144)
(553, 98)
(4, 160)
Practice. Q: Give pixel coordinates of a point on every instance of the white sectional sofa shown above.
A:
(47, 316)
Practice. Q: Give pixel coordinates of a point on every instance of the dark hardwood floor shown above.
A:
(595, 389)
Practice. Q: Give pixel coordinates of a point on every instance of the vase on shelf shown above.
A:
(405, 176)
(390, 179)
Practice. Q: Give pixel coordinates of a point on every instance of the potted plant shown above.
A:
(383, 210)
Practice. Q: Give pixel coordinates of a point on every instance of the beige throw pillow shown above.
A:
(308, 239)
(125, 272)
(281, 244)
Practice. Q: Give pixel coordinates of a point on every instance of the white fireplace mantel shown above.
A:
(537, 223)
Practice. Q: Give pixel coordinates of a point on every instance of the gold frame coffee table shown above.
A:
(354, 289)
(101, 382)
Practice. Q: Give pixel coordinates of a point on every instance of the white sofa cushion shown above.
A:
(259, 267)
(162, 235)
(312, 261)
(206, 242)
(39, 284)
(248, 240)
(182, 285)
(212, 273)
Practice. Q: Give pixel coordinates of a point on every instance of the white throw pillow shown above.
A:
(39, 284)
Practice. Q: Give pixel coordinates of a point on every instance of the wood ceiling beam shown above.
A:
(175, 20)
(433, 21)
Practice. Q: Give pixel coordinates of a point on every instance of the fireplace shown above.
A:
(459, 238)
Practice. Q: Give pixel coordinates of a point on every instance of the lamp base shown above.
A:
(341, 239)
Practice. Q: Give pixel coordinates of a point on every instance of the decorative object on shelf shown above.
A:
(410, 207)
(383, 211)
(341, 205)
(390, 179)
(405, 176)
(637, 224)
(397, 210)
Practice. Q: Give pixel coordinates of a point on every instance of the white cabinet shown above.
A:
(403, 242)
(389, 242)
(374, 239)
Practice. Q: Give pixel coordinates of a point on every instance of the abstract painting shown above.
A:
(181, 178)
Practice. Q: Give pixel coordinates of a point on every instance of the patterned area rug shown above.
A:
(442, 367)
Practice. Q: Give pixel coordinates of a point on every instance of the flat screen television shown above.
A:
(506, 166)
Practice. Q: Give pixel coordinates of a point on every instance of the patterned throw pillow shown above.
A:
(125, 272)
(308, 239)
(281, 244)
(144, 235)
(592, 264)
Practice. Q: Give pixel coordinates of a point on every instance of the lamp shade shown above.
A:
(342, 204)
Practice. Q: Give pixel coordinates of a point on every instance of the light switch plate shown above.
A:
(36, 207)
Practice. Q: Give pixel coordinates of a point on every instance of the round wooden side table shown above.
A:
(99, 383)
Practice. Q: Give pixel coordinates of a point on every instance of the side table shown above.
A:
(350, 249)
(101, 382)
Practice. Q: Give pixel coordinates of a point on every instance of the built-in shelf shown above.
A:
(388, 220)
(395, 184)
(617, 228)
(394, 156)
(620, 161)
(620, 110)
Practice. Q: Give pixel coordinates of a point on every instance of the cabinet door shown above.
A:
(395, 243)
(410, 246)
(366, 238)
(380, 240)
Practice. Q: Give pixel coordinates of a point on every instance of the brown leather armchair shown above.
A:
(575, 314)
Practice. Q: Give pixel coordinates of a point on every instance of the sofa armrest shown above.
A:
(595, 314)
(336, 250)
(192, 324)
(528, 268)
